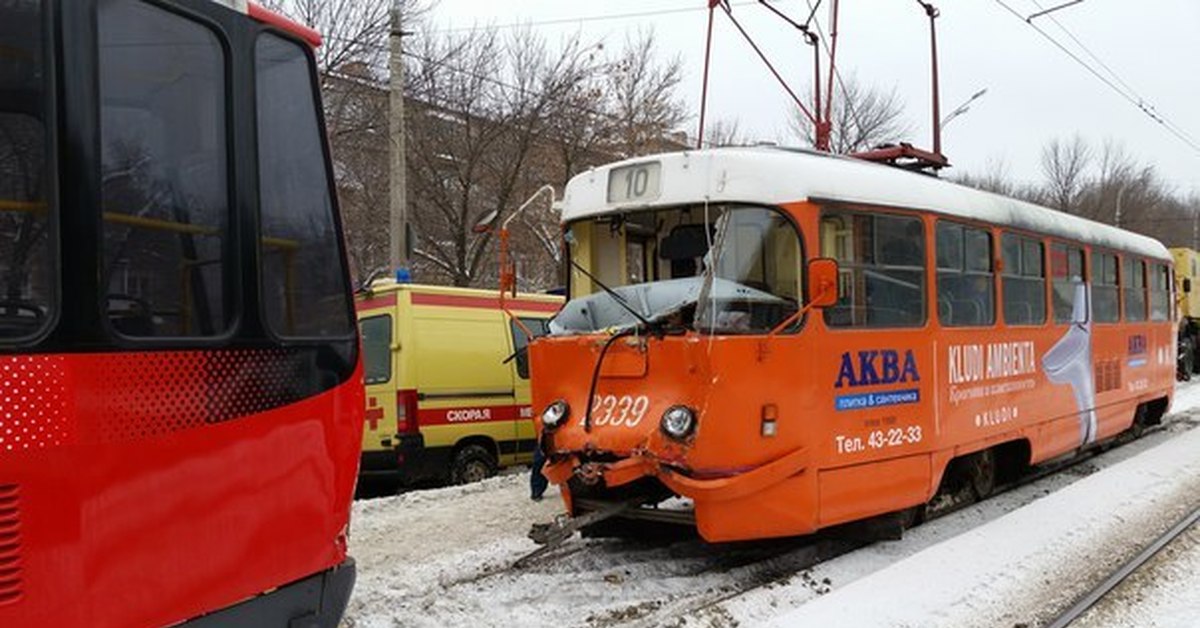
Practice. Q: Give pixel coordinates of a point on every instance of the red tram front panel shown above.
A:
(147, 488)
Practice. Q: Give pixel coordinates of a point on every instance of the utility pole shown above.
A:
(398, 178)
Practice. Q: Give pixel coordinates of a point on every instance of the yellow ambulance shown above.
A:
(447, 380)
(1187, 291)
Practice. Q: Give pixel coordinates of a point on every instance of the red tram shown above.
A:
(179, 378)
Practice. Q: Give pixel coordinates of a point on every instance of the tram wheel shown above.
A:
(1138, 427)
(982, 470)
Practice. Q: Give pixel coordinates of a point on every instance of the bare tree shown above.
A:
(643, 96)
(1127, 192)
(352, 31)
(1065, 164)
(626, 106)
(862, 118)
(500, 117)
(475, 143)
(489, 119)
(724, 132)
(1113, 186)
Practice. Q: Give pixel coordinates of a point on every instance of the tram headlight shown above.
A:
(555, 413)
(678, 422)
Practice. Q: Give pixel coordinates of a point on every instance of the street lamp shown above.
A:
(963, 108)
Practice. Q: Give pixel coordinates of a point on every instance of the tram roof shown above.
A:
(769, 175)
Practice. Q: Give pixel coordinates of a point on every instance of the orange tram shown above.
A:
(792, 341)
(181, 397)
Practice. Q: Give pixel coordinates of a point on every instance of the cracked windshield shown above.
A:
(728, 269)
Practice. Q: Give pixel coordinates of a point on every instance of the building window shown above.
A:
(882, 268)
(965, 285)
(1105, 291)
(1135, 290)
(1066, 270)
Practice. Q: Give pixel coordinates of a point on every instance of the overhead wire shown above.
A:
(774, 72)
(594, 18)
(1141, 106)
(1150, 109)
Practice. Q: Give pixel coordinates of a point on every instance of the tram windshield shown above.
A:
(25, 279)
(729, 269)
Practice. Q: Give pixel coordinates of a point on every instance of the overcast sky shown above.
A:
(1035, 92)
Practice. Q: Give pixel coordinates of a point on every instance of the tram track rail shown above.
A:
(752, 565)
(1097, 593)
(772, 574)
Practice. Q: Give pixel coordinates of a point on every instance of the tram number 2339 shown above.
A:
(625, 410)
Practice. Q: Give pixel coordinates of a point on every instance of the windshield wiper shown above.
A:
(642, 320)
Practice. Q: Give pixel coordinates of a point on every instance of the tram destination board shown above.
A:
(636, 182)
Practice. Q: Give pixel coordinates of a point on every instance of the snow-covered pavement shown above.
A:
(1165, 593)
(1023, 567)
(442, 557)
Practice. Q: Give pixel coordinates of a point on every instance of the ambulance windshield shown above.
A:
(718, 269)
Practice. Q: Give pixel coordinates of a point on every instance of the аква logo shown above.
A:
(877, 367)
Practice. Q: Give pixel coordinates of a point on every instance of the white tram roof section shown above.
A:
(773, 176)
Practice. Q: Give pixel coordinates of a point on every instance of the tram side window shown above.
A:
(1023, 280)
(882, 268)
(1135, 290)
(377, 348)
(304, 282)
(965, 289)
(1160, 293)
(164, 193)
(1104, 288)
(540, 327)
(1066, 269)
(26, 279)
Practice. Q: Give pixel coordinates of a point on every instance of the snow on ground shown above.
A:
(1020, 568)
(1165, 593)
(412, 546)
(1187, 397)
(442, 557)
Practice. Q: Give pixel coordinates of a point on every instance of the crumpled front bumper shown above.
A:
(725, 487)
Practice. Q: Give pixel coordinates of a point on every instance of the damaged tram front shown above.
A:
(665, 373)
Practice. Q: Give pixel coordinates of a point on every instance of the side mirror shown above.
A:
(1187, 285)
(822, 282)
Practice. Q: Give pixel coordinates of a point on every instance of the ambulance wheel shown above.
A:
(472, 463)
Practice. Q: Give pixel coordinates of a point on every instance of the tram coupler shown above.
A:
(555, 533)
(564, 526)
